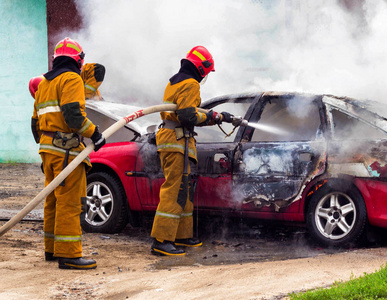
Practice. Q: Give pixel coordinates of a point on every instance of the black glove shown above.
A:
(98, 139)
(227, 117)
(213, 115)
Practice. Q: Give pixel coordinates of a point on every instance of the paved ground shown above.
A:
(237, 261)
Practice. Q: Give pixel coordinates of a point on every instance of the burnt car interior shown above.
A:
(288, 120)
(347, 127)
(285, 145)
(211, 134)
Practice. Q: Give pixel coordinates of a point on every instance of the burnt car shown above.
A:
(319, 160)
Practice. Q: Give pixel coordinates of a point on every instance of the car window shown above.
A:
(347, 127)
(211, 134)
(288, 120)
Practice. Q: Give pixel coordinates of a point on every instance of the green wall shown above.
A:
(23, 49)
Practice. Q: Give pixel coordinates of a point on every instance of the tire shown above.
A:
(105, 209)
(336, 215)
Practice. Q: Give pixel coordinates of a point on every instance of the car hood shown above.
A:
(117, 111)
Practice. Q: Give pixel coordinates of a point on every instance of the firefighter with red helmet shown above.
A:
(59, 123)
(173, 222)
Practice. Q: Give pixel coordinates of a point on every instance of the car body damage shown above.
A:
(358, 154)
(318, 159)
(276, 174)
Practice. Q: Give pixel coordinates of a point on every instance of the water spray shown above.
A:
(239, 121)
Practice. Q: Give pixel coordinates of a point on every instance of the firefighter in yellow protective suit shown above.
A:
(93, 75)
(173, 222)
(59, 123)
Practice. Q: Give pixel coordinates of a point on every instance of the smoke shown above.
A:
(284, 45)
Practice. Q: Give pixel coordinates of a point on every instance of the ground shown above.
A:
(237, 261)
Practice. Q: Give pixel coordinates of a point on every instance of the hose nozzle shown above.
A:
(238, 121)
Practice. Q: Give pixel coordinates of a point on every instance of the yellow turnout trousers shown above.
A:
(62, 209)
(172, 220)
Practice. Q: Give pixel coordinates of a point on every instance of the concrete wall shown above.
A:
(23, 49)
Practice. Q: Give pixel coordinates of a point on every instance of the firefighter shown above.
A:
(173, 221)
(59, 123)
(93, 75)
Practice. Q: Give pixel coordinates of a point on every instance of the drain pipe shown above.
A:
(79, 159)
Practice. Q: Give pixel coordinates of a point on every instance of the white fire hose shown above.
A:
(79, 159)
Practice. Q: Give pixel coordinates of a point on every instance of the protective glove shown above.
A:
(227, 117)
(98, 139)
(214, 116)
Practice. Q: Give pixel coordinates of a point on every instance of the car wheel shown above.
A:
(336, 216)
(105, 210)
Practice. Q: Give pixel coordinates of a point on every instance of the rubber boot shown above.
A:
(191, 242)
(165, 248)
(79, 263)
(49, 256)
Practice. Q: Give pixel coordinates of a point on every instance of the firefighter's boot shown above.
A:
(79, 263)
(165, 248)
(191, 242)
(50, 256)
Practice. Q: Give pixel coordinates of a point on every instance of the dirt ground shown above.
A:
(236, 262)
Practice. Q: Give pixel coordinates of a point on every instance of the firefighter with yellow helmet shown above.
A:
(59, 123)
(173, 222)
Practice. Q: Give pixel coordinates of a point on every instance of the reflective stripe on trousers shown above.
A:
(62, 209)
(172, 221)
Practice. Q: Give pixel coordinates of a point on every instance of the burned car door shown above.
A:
(148, 176)
(213, 173)
(211, 176)
(282, 149)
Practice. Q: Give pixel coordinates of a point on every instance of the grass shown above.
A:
(369, 286)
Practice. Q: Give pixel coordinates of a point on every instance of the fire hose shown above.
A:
(79, 159)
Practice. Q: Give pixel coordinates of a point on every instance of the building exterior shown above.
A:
(29, 30)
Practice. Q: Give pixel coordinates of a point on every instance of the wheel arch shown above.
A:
(102, 168)
(341, 185)
(334, 182)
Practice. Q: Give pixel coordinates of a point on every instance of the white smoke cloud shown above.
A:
(285, 45)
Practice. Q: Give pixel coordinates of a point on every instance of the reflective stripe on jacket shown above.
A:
(60, 106)
(92, 76)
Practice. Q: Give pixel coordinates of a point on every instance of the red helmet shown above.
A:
(33, 85)
(202, 59)
(70, 48)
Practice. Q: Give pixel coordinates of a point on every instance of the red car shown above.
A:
(315, 159)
